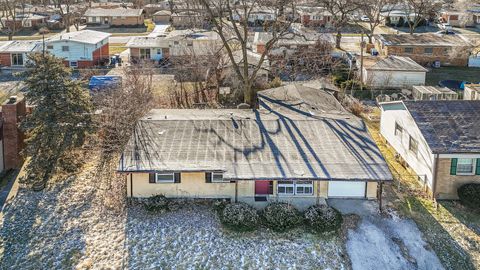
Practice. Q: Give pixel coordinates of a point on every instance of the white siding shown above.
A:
(76, 50)
(421, 163)
(393, 79)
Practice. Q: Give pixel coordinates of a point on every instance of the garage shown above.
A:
(346, 189)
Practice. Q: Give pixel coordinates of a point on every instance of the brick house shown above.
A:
(426, 49)
(439, 141)
(80, 49)
(25, 21)
(14, 54)
(115, 17)
(315, 17)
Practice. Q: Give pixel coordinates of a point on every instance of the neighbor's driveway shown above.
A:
(381, 242)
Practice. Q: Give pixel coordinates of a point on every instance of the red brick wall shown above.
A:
(13, 138)
(85, 64)
(101, 53)
(5, 59)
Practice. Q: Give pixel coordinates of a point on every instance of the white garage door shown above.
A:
(346, 189)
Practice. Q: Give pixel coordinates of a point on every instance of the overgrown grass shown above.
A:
(452, 73)
(450, 229)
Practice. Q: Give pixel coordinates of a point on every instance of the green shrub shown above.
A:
(323, 218)
(281, 216)
(156, 203)
(239, 217)
(469, 195)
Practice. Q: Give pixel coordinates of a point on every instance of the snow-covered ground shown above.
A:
(66, 228)
(381, 242)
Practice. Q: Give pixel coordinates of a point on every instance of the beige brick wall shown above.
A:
(371, 190)
(446, 184)
(118, 21)
(443, 54)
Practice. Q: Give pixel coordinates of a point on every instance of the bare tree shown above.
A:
(231, 22)
(373, 9)
(418, 11)
(8, 20)
(341, 11)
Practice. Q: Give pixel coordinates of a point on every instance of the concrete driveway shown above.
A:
(381, 242)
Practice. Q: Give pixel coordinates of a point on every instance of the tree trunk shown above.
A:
(338, 40)
(249, 94)
(370, 38)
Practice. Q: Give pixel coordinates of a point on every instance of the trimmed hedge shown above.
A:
(156, 203)
(281, 216)
(239, 217)
(323, 218)
(469, 195)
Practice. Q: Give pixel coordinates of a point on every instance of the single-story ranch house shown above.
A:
(438, 140)
(301, 146)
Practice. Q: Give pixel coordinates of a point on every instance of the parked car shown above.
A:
(444, 26)
(364, 18)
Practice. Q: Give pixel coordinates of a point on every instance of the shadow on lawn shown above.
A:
(449, 251)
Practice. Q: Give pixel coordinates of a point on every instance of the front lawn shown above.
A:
(451, 229)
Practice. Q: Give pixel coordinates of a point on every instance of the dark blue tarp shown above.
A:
(104, 82)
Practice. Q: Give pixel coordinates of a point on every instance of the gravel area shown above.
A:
(66, 228)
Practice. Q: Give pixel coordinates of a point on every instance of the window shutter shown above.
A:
(453, 166)
(477, 172)
(151, 178)
(178, 177)
(208, 177)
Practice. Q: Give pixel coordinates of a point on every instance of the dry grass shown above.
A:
(115, 48)
(450, 229)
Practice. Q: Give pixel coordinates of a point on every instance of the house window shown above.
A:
(17, 59)
(65, 48)
(175, 43)
(49, 47)
(413, 145)
(408, 50)
(398, 130)
(304, 188)
(145, 54)
(73, 64)
(94, 19)
(164, 178)
(295, 188)
(285, 188)
(189, 43)
(159, 51)
(428, 50)
(217, 177)
(465, 165)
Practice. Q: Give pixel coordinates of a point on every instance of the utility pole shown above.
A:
(362, 45)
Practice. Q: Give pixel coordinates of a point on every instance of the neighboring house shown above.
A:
(151, 9)
(253, 60)
(14, 54)
(115, 17)
(458, 18)
(257, 16)
(177, 43)
(188, 19)
(315, 17)
(25, 21)
(288, 43)
(426, 49)
(162, 17)
(300, 147)
(392, 72)
(471, 92)
(80, 49)
(438, 140)
(422, 92)
(396, 17)
(149, 48)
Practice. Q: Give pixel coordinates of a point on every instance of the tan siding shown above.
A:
(323, 189)
(447, 184)
(192, 185)
(246, 188)
(371, 190)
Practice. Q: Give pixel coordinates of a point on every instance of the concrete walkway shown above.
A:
(159, 30)
(384, 241)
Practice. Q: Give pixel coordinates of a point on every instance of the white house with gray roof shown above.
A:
(301, 146)
(438, 140)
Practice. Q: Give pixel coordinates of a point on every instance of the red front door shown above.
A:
(262, 187)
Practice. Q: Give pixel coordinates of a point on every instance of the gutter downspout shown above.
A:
(434, 179)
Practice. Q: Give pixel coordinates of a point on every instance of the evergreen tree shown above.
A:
(61, 117)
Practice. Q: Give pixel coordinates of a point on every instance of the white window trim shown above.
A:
(295, 184)
(218, 181)
(473, 167)
(164, 181)
(23, 59)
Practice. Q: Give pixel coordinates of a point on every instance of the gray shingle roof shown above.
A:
(107, 12)
(255, 144)
(448, 126)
